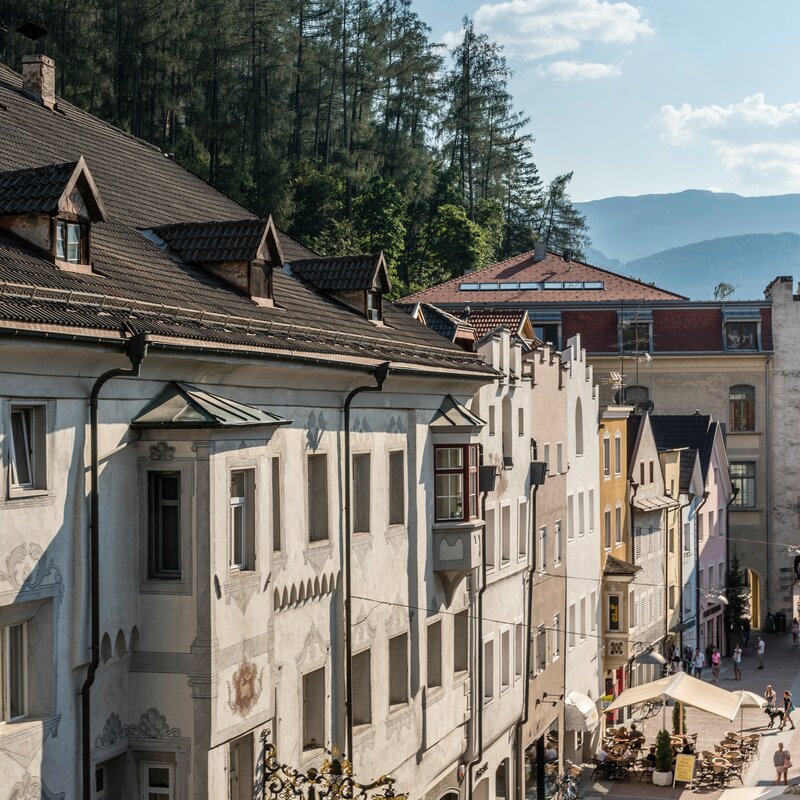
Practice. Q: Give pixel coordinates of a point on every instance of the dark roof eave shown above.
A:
(209, 424)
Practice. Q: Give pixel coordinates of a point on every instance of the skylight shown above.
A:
(533, 286)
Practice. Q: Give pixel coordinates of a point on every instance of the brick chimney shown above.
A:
(39, 78)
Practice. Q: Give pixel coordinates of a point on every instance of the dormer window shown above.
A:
(52, 208)
(71, 242)
(374, 306)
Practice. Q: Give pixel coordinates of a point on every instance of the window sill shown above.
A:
(745, 508)
(164, 586)
(397, 708)
(17, 492)
(318, 544)
(310, 753)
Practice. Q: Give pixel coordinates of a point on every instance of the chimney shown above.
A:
(539, 251)
(39, 78)
(568, 254)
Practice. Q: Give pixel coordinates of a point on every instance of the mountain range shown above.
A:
(690, 241)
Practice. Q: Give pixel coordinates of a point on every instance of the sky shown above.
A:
(653, 97)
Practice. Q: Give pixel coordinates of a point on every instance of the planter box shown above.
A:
(662, 778)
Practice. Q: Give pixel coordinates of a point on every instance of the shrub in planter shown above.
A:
(663, 772)
(677, 717)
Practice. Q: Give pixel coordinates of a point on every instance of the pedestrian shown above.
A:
(737, 663)
(782, 761)
(788, 707)
(716, 658)
(698, 663)
(795, 631)
(770, 696)
(746, 632)
(687, 659)
(762, 646)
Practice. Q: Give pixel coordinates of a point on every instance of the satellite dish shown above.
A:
(649, 406)
(619, 400)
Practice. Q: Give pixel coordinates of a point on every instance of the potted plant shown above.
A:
(662, 776)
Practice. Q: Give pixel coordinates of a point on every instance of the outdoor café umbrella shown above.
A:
(749, 700)
(682, 688)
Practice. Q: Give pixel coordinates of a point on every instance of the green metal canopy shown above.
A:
(180, 405)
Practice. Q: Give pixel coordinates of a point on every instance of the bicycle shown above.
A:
(568, 782)
(649, 709)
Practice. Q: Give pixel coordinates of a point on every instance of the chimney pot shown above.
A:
(539, 251)
(39, 78)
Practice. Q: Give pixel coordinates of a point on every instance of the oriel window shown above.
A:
(456, 482)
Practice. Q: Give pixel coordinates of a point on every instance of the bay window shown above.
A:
(456, 482)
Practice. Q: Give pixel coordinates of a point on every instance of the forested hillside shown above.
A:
(341, 118)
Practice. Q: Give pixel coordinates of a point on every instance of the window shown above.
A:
(556, 636)
(361, 492)
(240, 771)
(242, 520)
(652, 474)
(317, 497)
(582, 624)
(158, 781)
(501, 781)
(505, 534)
(617, 455)
(456, 484)
(164, 525)
(742, 408)
(700, 577)
(687, 538)
(606, 457)
(579, 428)
(560, 457)
(488, 671)
(541, 549)
(519, 649)
(461, 641)
(637, 544)
(710, 576)
(541, 648)
(507, 433)
(636, 337)
(711, 529)
(591, 510)
(505, 660)
(651, 543)
(71, 241)
(491, 537)
(673, 595)
(641, 473)
(618, 524)
(13, 672)
(374, 309)
(672, 539)
(613, 612)
(27, 448)
(581, 515)
(721, 574)
(492, 422)
(276, 504)
(362, 688)
(522, 528)
(521, 422)
(741, 335)
(314, 702)
(593, 612)
(607, 527)
(549, 333)
(547, 457)
(434, 654)
(700, 533)
(632, 607)
(397, 487)
(398, 670)
(743, 477)
(571, 633)
(570, 518)
(557, 542)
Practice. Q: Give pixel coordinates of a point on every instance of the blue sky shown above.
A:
(654, 97)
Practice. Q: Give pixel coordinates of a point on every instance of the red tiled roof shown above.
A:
(485, 320)
(554, 268)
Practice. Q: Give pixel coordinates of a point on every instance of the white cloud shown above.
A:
(754, 140)
(680, 125)
(533, 29)
(579, 71)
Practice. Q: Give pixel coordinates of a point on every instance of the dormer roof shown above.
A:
(45, 190)
(344, 273)
(443, 322)
(455, 416)
(223, 241)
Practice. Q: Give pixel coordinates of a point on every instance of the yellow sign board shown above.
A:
(684, 769)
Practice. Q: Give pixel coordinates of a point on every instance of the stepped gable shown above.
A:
(136, 285)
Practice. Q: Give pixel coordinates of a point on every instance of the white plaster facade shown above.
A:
(584, 672)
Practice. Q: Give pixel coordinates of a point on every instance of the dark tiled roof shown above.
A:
(444, 323)
(687, 468)
(489, 319)
(694, 431)
(137, 285)
(616, 566)
(524, 268)
(34, 191)
(339, 273)
(229, 240)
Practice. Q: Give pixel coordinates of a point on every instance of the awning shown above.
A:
(750, 699)
(580, 713)
(654, 503)
(684, 689)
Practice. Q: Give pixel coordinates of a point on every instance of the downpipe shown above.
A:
(697, 616)
(136, 350)
(381, 372)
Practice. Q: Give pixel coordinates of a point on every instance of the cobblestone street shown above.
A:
(781, 670)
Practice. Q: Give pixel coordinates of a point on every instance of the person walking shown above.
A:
(687, 659)
(762, 647)
(782, 761)
(698, 663)
(795, 631)
(770, 696)
(788, 707)
(716, 658)
(737, 663)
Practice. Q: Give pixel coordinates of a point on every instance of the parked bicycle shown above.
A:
(568, 781)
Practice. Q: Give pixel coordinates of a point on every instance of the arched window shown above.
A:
(579, 428)
(742, 408)
(501, 781)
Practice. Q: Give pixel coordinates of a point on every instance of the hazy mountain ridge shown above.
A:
(690, 241)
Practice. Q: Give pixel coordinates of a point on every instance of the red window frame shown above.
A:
(469, 480)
